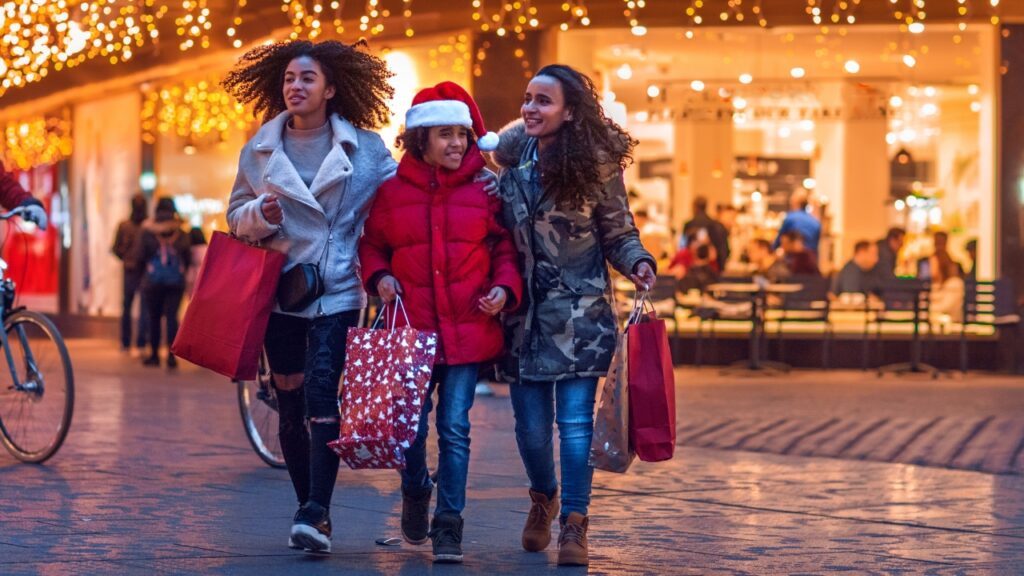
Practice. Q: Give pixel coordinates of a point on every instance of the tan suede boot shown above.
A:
(572, 541)
(537, 532)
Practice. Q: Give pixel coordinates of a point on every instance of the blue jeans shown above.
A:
(535, 405)
(456, 388)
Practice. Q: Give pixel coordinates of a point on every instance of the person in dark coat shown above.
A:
(127, 248)
(564, 200)
(165, 257)
(716, 233)
(888, 252)
(857, 276)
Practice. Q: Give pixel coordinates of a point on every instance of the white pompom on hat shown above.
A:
(448, 104)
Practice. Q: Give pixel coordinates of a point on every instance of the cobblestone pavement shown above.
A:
(972, 423)
(157, 478)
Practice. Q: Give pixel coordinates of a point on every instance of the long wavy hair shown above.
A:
(360, 80)
(586, 146)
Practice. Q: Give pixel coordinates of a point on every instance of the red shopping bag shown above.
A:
(652, 391)
(226, 321)
(384, 385)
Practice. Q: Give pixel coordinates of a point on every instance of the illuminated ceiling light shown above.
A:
(810, 183)
(697, 86)
(930, 91)
(807, 125)
(916, 27)
(653, 91)
(739, 118)
(929, 109)
(624, 72)
(972, 89)
(908, 135)
(797, 72)
(756, 196)
(808, 146)
(900, 205)
(890, 138)
(852, 66)
(975, 106)
(785, 132)
(895, 101)
(909, 61)
(739, 103)
(746, 78)
(639, 30)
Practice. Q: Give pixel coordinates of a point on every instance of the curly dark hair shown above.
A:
(360, 80)
(586, 146)
(414, 141)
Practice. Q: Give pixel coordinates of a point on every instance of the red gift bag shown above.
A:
(384, 385)
(226, 320)
(652, 390)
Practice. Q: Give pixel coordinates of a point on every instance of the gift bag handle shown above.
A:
(641, 303)
(391, 319)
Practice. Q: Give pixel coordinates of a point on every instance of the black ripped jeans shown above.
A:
(314, 347)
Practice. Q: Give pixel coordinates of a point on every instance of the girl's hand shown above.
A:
(643, 276)
(490, 180)
(388, 287)
(272, 210)
(494, 302)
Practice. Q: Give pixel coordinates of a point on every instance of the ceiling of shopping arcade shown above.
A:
(678, 40)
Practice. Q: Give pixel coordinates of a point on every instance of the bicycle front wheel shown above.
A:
(257, 402)
(37, 390)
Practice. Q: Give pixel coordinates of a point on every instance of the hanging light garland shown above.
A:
(41, 36)
(194, 110)
(36, 141)
(578, 14)
(513, 17)
(236, 21)
(194, 25)
(453, 54)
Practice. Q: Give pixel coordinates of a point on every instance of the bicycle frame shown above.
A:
(32, 384)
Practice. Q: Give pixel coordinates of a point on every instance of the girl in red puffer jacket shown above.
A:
(432, 237)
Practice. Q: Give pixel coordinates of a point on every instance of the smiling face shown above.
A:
(306, 91)
(446, 145)
(544, 110)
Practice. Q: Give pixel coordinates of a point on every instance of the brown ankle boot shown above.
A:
(572, 541)
(537, 532)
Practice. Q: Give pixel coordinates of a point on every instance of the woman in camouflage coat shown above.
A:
(564, 201)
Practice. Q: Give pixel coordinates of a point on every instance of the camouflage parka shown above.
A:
(566, 326)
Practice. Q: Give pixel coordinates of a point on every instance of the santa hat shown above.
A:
(448, 104)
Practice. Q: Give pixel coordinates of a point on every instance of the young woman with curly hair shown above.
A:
(565, 203)
(304, 186)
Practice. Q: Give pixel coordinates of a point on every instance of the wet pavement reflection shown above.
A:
(157, 477)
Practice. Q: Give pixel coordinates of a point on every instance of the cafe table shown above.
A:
(758, 293)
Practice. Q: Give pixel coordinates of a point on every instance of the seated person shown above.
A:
(765, 262)
(686, 256)
(858, 276)
(701, 273)
(947, 294)
(799, 259)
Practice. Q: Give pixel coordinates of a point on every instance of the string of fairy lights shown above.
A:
(45, 36)
(41, 37)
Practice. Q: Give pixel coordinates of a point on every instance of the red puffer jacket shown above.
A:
(436, 231)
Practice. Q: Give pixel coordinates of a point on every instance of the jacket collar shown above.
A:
(280, 173)
(269, 137)
(420, 174)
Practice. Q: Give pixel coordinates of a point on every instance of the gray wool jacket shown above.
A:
(354, 168)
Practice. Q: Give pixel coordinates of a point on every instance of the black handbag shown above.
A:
(299, 287)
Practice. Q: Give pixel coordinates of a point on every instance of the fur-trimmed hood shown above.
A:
(512, 141)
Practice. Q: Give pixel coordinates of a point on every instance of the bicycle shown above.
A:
(257, 403)
(37, 403)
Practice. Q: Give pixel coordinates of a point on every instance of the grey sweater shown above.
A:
(356, 165)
